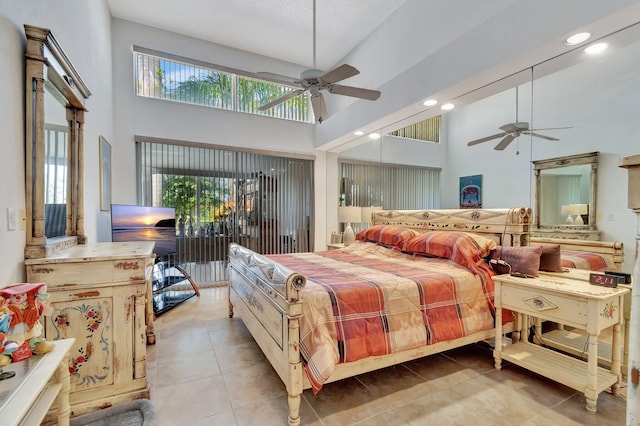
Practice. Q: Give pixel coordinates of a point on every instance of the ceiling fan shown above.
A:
(510, 131)
(314, 81)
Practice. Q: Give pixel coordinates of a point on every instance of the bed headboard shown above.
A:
(510, 226)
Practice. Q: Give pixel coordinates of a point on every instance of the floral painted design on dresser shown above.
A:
(91, 357)
(608, 310)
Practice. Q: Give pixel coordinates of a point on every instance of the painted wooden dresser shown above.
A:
(98, 296)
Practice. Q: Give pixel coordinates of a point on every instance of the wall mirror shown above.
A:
(55, 97)
(566, 194)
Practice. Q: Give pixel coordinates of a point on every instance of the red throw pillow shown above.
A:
(459, 247)
(387, 235)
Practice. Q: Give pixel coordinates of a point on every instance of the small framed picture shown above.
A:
(105, 174)
(471, 192)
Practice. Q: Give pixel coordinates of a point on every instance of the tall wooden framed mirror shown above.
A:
(55, 98)
(566, 190)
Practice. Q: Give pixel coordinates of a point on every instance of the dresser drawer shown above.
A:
(546, 305)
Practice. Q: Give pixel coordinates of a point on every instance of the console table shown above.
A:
(567, 301)
(39, 381)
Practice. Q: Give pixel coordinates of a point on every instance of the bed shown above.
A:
(317, 327)
(580, 258)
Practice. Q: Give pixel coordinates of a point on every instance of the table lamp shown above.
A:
(349, 214)
(567, 211)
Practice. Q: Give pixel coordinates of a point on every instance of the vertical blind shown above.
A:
(264, 202)
(392, 186)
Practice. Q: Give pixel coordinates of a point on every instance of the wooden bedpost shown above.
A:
(632, 164)
(295, 282)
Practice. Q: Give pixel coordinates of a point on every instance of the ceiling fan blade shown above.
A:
(277, 78)
(504, 142)
(319, 107)
(513, 127)
(550, 128)
(488, 138)
(280, 100)
(341, 73)
(355, 92)
(538, 135)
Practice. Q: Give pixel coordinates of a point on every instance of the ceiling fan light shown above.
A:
(577, 38)
(430, 102)
(596, 48)
(447, 107)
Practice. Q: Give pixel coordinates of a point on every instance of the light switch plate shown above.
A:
(12, 219)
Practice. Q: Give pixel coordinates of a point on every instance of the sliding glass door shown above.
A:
(264, 202)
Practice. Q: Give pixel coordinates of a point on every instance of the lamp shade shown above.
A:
(349, 214)
(581, 209)
(565, 210)
(366, 214)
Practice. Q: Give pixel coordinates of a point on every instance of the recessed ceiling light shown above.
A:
(577, 38)
(447, 107)
(430, 102)
(374, 136)
(358, 133)
(594, 49)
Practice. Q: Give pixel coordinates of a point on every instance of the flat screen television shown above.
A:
(140, 223)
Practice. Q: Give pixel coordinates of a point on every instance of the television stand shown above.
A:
(171, 285)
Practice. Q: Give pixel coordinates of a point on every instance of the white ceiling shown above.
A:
(280, 29)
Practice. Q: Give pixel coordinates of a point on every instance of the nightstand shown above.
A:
(335, 246)
(567, 301)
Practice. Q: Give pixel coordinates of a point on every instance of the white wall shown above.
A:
(83, 29)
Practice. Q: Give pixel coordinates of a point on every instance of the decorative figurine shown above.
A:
(25, 303)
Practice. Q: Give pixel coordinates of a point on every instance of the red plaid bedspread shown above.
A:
(583, 260)
(368, 300)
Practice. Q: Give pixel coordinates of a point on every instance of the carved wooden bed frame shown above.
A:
(267, 295)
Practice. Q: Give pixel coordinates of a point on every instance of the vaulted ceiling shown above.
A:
(281, 29)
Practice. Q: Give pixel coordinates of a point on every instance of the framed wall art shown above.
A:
(471, 192)
(105, 174)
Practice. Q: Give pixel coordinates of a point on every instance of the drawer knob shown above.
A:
(539, 303)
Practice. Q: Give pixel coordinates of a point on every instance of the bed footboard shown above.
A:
(266, 295)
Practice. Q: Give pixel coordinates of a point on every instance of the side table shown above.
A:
(565, 301)
(39, 381)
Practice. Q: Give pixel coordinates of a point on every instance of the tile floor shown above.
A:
(205, 369)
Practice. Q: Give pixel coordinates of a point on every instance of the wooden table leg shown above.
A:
(591, 392)
(497, 351)
(615, 357)
(64, 408)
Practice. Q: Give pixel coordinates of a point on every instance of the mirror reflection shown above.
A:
(565, 195)
(55, 163)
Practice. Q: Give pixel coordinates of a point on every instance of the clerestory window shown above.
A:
(173, 78)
